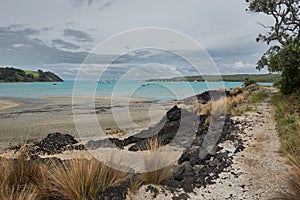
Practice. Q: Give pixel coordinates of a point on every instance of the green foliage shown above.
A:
(287, 118)
(17, 75)
(242, 109)
(258, 97)
(288, 125)
(285, 59)
(286, 30)
(248, 82)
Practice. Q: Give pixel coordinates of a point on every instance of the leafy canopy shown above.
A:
(284, 56)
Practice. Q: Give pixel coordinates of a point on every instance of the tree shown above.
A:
(286, 14)
(284, 56)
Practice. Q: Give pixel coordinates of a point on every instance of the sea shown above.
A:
(158, 91)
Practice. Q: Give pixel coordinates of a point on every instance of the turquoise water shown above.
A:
(160, 91)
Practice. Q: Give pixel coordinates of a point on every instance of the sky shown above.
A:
(59, 35)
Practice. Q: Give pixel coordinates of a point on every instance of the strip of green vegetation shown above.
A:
(258, 97)
(34, 73)
(242, 109)
(10, 74)
(230, 78)
(288, 118)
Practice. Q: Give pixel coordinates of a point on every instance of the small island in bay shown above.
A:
(10, 74)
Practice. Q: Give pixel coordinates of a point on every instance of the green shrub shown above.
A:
(248, 82)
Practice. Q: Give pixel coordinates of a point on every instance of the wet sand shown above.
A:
(8, 103)
(22, 121)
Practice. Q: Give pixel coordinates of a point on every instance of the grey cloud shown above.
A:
(21, 29)
(101, 3)
(78, 35)
(18, 47)
(81, 2)
(63, 44)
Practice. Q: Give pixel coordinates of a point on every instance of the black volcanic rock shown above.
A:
(54, 143)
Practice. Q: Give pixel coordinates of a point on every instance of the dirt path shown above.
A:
(258, 171)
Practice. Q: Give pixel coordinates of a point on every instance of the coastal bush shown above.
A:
(283, 56)
(10, 74)
(248, 82)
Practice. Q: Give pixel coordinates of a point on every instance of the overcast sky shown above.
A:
(57, 35)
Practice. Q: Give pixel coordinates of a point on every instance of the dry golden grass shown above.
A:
(205, 109)
(24, 171)
(224, 105)
(235, 91)
(294, 175)
(25, 193)
(294, 184)
(134, 186)
(154, 162)
(26, 178)
(18, 178)
(83, 179)
(294, 179)
(219, 107)
(222, 89)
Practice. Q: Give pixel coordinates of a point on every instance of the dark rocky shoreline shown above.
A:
(202, 161)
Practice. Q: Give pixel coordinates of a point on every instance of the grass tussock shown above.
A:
(156, 170)
(224, 105)
(27, 178)
(134, 185)
(294, 175)
(287, 115)
(83, 179)
(19, 178)
(25, 193)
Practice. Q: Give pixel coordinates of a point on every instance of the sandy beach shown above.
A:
(8, 103)
(22, 121)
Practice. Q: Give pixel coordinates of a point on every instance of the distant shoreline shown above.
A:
(263, 78)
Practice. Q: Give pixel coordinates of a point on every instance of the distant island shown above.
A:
(10, 74)
(229, 78)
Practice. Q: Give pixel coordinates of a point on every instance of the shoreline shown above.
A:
(22, 120)
(249, 147)
(6, 103)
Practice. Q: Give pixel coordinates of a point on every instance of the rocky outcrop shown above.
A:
(54, 143)
(201, 163)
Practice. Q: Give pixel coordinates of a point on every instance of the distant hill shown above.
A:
(10, 74)
(229, 78)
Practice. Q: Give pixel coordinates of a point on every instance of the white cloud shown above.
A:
(239, 67)
(18, 45)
